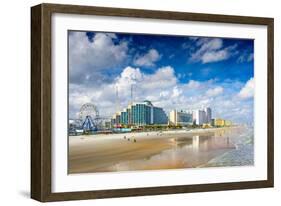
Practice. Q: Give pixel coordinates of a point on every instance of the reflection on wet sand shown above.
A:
(150, 151)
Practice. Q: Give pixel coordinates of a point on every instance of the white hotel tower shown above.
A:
(202, 116)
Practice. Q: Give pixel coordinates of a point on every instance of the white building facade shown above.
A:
(180, 118)
(203, 116)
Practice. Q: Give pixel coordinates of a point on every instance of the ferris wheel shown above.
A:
(90, 110)
(89, 115)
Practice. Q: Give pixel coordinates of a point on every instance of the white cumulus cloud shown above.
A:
(147, 59)
(87, 58)
(248, 90)
(192, 84)
(163, 78)
(164, 90)
(215, 91)
(211, 50)
(157, 87)
(128, 77)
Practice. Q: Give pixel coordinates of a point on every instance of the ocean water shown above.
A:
(243, 155)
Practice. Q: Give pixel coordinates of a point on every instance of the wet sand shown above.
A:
(149, 151)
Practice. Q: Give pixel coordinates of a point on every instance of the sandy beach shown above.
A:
(149, 150)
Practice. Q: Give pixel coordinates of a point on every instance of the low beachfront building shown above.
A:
(116, 119)
(227, 123)
(219, 122)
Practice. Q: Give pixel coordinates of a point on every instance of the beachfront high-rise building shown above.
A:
(159, 116)
(199, 117)
(140, 113)
(204, 116)
(180, 118)
(208, 112)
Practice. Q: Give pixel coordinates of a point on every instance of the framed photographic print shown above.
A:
(130, 102)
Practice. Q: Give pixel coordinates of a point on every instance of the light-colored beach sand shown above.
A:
(153, 150)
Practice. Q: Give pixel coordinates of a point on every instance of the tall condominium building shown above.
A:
(159, 116)
(199, 117)
(140, 113)
(180, 118)
(202, 116)
(208, 112)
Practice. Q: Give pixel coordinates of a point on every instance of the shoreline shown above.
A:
(149, 150)
(155, 134)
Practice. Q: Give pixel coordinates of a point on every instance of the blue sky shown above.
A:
(174, 72)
